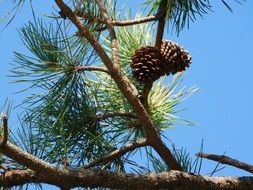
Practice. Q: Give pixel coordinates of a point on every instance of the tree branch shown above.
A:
(126, 87)
(118, 22)
(227, 160)
(173, 180)
(159, 36)
(5, 130)
(135, 21)
(145, 92)
(91, 68)
(120, 114)
(161, 23)
(19, 177)
(112, 33)
(28, 160)
(117, 153)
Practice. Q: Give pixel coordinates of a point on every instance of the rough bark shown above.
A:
(173, 180)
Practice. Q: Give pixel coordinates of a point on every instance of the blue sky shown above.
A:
(222, 64)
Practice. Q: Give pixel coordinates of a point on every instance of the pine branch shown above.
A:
(4, 168)
(118, 22)
(227, 160)
(159, 36)
(145, 92)
(117, 153)
(5, 130)
(118, 114)
(173, 180)
(135, 21)
(19, 177)
(126, 88)
(91, 68)
(28, 160)
(161, 23)
(112, 33)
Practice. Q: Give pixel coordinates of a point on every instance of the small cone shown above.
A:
(146, 64)
(176, 58)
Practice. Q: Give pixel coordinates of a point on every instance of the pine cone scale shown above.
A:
(146, 64)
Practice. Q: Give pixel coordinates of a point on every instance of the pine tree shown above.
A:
(104, 96)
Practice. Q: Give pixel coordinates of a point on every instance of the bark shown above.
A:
(28, 160)
(173, 180)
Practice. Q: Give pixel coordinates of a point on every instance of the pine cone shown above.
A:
(176, 58)
(146, 64)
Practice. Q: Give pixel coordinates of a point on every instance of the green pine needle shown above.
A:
(163, 99)
(179, 13)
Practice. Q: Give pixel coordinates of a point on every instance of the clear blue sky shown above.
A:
(222, 52)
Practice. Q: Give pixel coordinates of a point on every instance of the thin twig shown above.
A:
(112, 33)
(117, 153)
(120, 114)
(135, 21)
(126, 87)
(119, 22)
(3, 167)
(91, 68)
(227, 160)
(5, 130)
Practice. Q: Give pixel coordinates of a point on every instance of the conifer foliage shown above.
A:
(99, 95)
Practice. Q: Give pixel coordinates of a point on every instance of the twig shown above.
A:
(64, 162)
(161, 24)
(227, 160)
(120, 114)
(117, 153)
(91, 68)
(126, 87)
(159, 37)
(119, 22)
(3, 167)
(135, 21)
(5, 130)
(112, 33)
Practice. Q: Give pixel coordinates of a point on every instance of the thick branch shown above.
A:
(117, 153)
(19, 177)
(28, 160)
(126, 88)
(227, 160)
(173, 180)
